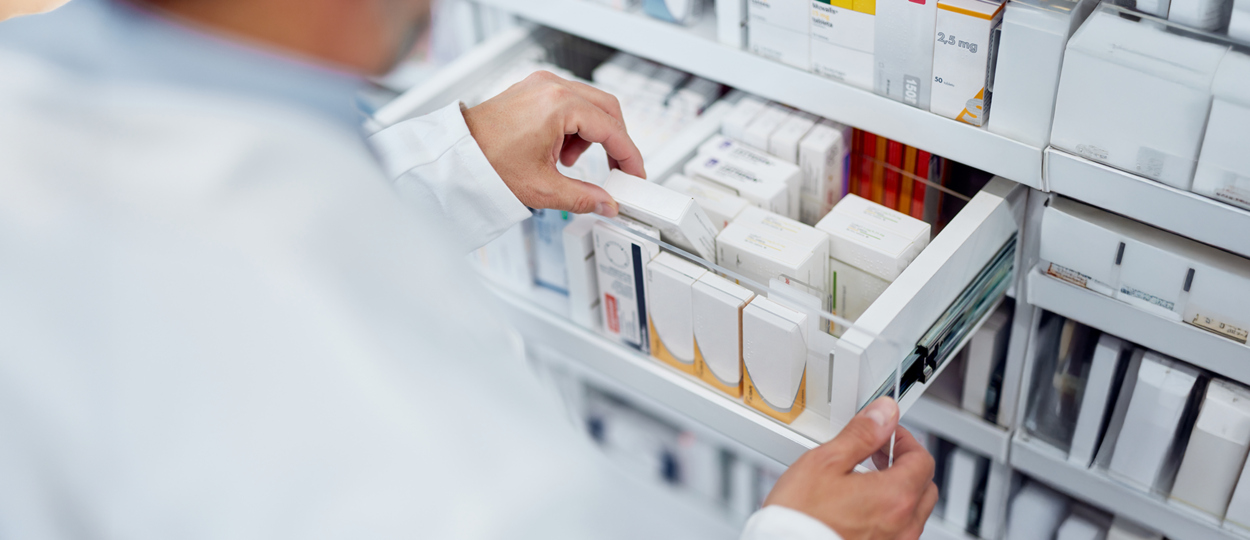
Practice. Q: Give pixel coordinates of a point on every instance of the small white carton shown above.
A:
(670, 282)
(774, 358)
(778, 30)
(825, 159)
(1096, 401)
(793, 232)
(769, 167)
(903, 50)
(579, 262)
(1079, 251)
(760, 256)
(867, 246)
(679, 219)
(963, 60)
(1217, 447)
(842, 40)
(718, 305)
(1158, 402)
(1223, 168)
(908, 227)
(720, 204)
(622, 261)
(784, 142)
(761, 128)
(747, 181)
(734, 124)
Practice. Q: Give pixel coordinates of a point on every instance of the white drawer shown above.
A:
(885, 334)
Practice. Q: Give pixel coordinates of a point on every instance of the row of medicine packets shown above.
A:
(739, 337)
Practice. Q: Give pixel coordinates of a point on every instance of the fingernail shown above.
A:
(881, 411)
(605, 210)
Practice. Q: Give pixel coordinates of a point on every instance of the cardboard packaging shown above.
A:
(1158, 403)
(842, 40)
(548, 244)
(731, 23)
(734, 124)
(986, 351)
(760, 130)
(778, 30)
(760, 256)
(718, 305)
(903, 50)
(1030, 56)
(670, 286)
(1095, 403)
(750, 182)
(774, 357)
(867, 246)
(1217, 447)
(1078, 251)
(1082, 526)
(825, 161)
(1208, 15)
(1223, 171)
(807, 239)
(683, 12)
(861, 209)
(720, 205)
(1135, 97)
(1036, 513)
(963, 59)
(765, 167)
(622, 262)
(679, 219)
(784, 142)
(583, 276)
(965, 472)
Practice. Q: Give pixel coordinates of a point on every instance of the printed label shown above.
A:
(1150, 162)
(614, 321)
(1219, 327)
(911, 90)
(1076, 278)
(1147, 297)
(1091, 151)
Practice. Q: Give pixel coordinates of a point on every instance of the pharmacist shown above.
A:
(217, 320)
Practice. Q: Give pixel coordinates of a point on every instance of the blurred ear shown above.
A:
(17, 8)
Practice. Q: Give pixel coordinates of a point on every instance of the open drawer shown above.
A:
(921, 320)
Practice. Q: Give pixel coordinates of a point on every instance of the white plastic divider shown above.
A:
(1173, 338)
(1188, 214)
(961, 427)
(695, 50)
(1050, 466)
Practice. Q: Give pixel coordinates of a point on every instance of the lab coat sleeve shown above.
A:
(781, 523)
(435, 156)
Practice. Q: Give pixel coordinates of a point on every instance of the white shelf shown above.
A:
(664, 385)
(1183, 341)
(960, 427)
(1047, 464)
(1187, 214)
(697, 51)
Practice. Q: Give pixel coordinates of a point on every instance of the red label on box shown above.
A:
(614, 322)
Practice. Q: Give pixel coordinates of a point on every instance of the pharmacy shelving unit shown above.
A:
(1049, 465)
(969, 431)
(1173, 338)
(695, 50)
(1187, 214)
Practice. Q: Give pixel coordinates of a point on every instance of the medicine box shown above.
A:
(765, 167)
(670, 286)
(1026, 74)
(825, 160)
(1223, 171)
(1096, 401)
(621, 260)
(842, 40)
(748, 181)
(760, 256)
(903, 50)
(718, 305)
(867, 246)
(548, 245)
(583, 278)
(1208, 15)
(731, 23)
(734, 124)
(778, 30)
(720, 204)
(804, 239)
(1154, 414)
(678, 218)
(1078, 251)
(963, 59)
(760, 129)
(1217, 447)
(784, 142)
(1135, 97)
(908, 227)
(774, 356)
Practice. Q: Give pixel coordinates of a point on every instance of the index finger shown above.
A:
(594, 125)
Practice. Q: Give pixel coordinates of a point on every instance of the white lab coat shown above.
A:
(217, 320)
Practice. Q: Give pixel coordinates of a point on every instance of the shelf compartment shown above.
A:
(695, 50)
(960, 427)
(1187, 214)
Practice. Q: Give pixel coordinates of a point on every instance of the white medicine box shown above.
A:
(842, 40)
(963, 59)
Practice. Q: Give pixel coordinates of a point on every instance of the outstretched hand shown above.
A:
(543, 120)
(891, 503)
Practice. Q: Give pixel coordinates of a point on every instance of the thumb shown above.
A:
(579, 197)
(868, 432)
